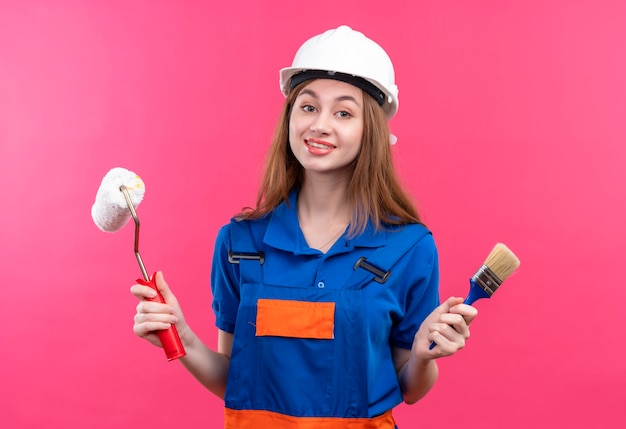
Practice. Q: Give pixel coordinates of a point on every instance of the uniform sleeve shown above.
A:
(420, 296)
(224, 283)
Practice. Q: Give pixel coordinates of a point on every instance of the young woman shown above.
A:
(326, 293)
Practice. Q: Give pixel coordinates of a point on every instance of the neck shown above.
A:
(323, 214)
(323, 204)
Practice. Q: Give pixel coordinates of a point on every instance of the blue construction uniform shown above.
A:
(336, 363)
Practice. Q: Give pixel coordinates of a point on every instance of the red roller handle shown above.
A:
(170, 340)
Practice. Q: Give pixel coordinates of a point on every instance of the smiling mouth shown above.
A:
(318, 144)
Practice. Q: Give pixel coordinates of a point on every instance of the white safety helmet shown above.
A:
(349, 56)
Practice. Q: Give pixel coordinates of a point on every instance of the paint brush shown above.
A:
(498, 266)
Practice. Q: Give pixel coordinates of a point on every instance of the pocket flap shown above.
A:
(295, 319)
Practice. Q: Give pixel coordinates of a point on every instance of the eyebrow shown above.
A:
(340, 98)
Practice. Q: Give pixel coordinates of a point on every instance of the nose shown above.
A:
(320, 126)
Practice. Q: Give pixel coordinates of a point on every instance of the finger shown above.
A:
(164, 288)
(446, 346)
(148, 329)
(449, 340)
(160, 320)
(448, 330)
(154, 307)
(452, 327)
(452, 301)
(468, 312)
(446, 305)
(441, 343)
(455, 321)
(142, 292)
(151, 336)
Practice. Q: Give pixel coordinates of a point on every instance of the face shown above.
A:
(326, 126)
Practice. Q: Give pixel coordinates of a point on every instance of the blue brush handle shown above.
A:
(475, 293)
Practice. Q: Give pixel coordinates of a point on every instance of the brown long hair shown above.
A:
(374, 190)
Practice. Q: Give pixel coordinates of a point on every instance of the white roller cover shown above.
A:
(110, 212)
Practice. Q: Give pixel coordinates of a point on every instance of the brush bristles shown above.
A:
(502, 262)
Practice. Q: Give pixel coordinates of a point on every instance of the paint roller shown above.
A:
(119, 194)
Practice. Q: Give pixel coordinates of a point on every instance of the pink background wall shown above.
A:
(511, 128)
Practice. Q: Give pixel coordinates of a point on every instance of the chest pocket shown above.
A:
(295, 319)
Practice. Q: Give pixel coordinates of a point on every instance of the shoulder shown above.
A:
(425, 242)
(236, 229)
(413, 228)
(418, 241)
(413, 232)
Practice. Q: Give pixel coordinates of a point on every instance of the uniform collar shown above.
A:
(284, 233)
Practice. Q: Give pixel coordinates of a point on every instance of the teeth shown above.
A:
(317, 145)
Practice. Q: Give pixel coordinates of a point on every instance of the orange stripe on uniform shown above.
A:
(295, 319)
(256, 419)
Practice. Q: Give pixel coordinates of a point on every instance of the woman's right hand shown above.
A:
(155, 316)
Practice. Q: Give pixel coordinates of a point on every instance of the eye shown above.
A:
(344, 114)
(308, 108)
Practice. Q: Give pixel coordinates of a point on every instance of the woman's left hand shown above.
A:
(447, 326)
